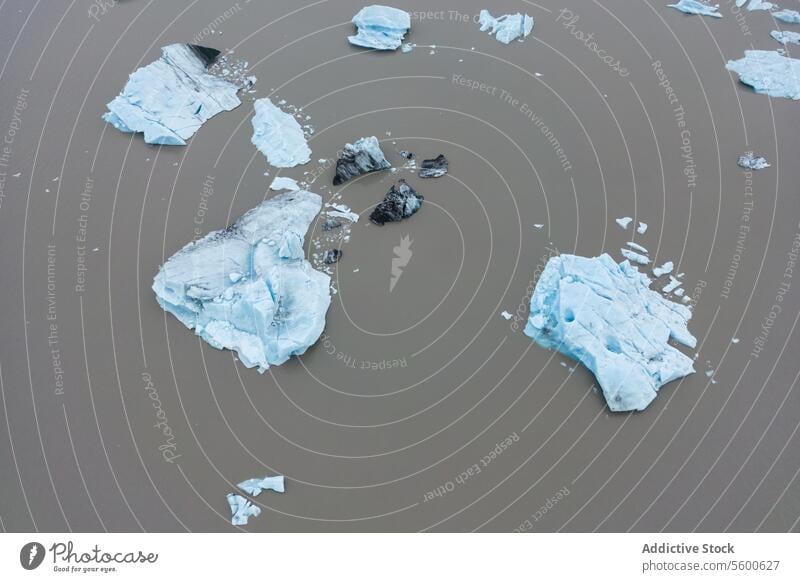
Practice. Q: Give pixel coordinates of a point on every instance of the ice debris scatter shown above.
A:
(786, 36)
(786, 15)
(400, 202)
(380, 27)
(278, 136)
(362, 157)
(249, 288)
(242, 509)
(768, 72)
(507, 27)
(624, 222)
(749, 161)
(284, 183)
(606, 316)
(169, 99)
(694, 7)
(255, 486)
(435, 168)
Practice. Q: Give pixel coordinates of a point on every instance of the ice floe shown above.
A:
(635, 257)
(759, 5)
(255, 486)
(380, 27)
(786, 36)
(750, 161)
(242, 509)
(278, 136)
(284, 183)
(606, 316)
(664, 269)
(400, 202)
(435, 168)
(507, 27)
(624, 222)
(768, 72)
(786, 15)
(637, 247)
(341, 211)
(362, 157)
(694, 7)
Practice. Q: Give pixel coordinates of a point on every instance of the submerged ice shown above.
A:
(278, 136)
(362, 157)
(694, 7)
(768, 72)
(249, 288)
(169, 99)
(380, 27)
(507, 27)
(606, 316)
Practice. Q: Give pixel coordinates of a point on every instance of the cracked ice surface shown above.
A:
(768, 72)
(380, 27)
(507, 27)
(249, 288)
(254, 487)
(169, 99)
(278, 136)
(606, 316)
(242, 509)
(694, 7)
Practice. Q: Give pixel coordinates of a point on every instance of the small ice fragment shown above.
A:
(664, 269)
(750, 161)
(400, 202)
(786, 15)
(694, 7)
(539, 226)
(507, 27)
(624, 222)
(709, 373)
(680, 292)
(278, 136)
(331, 224)
(635, 257)
(254, 487)
(362, 157)
(642, 228)
(284, 183)
(380, 27)
(637, 247)
(332, 256)
(435, 168)
(735, 340)
(760, 5)
(769, 72)
(342, 211)
(241, 509)
(235, 277)
(672, 285)
(407, 47)
(506, 315)
(786, 36)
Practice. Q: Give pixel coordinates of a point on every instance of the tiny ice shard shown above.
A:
(275, 305)
(278, 136)
(506, 315)
(606, 316)
(624, 222)
(750, 161)
(400, 202)
(786, 36)
(435, 168)
(242, 509)
(635, 257)
(332, 256)
(362, 157)
(380, 27)
(642, 228)
(284, 183)
(694, 7)
(786, 15)
(664, 269)
(169, 99)
(254, 487)
(507, 27)
(768, 72)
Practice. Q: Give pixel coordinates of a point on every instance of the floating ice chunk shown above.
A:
(786, 15)
(538, 226)
(435, 168)
(331, 224)
(342, 211)
(786, 36)
(284, 183)
(637, 247)
(407, 47)
(169, 99)
(506, 315)
(242, 509)
(362, 157)
(278, 136)
(769, 72)
(694, 7)
(740, 3)
(606, 316)
(664, 269)
(735, 340)
(380, 27)
(672, 285)
(400, 202)
(507, 27)
(760, 5)
(277, 309)
(332, 256)
(635, 257)
(642, 228)
(750, 161)
(624, 222)
(254, 487)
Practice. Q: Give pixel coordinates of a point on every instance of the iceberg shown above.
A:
(249, 288)
(786, 36)
(507, 27)
(169, 99)
(435, 168)
(284, 183)
(768, 72)
(400, 202)
(786, 15)
(279, 136)
(380, 27)
(637, 247)
(606, 316)
(672, 285)
(694, 7)
(362, 157)
(242, 509)
(749, 161)
(254, 487)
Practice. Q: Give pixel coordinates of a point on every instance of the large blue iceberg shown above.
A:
(768, 72)
(606, 316)
(279, 136)
(249, 287)
(169, 99)
(694, 7)
(507, 27)
(380, 27)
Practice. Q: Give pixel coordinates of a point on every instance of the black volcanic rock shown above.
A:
(400, 202)
(435, 168)
(362, 157)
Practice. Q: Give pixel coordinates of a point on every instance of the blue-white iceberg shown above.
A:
(242, 509)
(279, 136)
(694, 7)
(768, 72)
(169, 99)
(249, 287)
(254, 487)
(606, 316)
(507, 27)
(380, 27)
